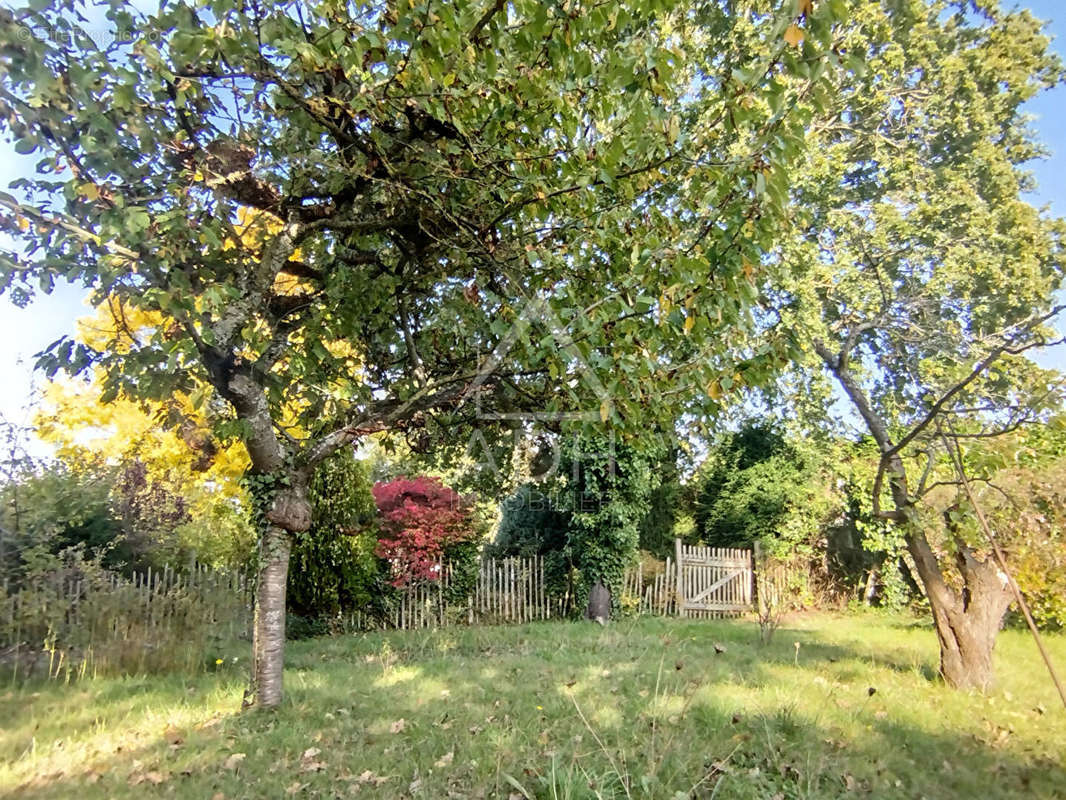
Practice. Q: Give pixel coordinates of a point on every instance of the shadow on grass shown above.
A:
(648, 709)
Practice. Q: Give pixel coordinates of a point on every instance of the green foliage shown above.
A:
(530, 524)
(753, 484)
(333, 567)
(59, 508)
(609, 483)
(420, 179)
(657, 529)
(535, 523)
(112, 513)
(918, 265)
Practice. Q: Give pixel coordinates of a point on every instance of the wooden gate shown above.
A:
(712, 581)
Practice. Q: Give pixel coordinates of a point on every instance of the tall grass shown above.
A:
(84, 620)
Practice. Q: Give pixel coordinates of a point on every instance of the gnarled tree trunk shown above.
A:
(966, 622)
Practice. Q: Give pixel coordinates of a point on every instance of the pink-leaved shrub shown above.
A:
(421, 519)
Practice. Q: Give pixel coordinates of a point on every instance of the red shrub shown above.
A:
(421, 518)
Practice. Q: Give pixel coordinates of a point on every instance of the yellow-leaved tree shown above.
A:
(172, 441)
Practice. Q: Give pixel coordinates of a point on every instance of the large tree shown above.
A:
(920, 274)
(352, 219)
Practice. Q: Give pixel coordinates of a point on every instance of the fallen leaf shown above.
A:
(234, 760)
(445, 759)
(369, 777)
(310, 753)
(173, 736)
(294, 788)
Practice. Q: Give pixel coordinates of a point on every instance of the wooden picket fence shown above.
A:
(717, 583)
(96, 622)
(91, 621)
(652, 591)
(505, 590)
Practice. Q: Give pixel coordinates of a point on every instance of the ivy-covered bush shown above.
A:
(333, 565)
(423, 523)
(610, 489)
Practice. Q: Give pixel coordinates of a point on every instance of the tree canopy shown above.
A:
(342, 219)
(920, 275)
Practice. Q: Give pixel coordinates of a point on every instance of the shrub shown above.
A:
(532, 524)
(752, 484)
(423, 523)
(333, 566)
(116, 514)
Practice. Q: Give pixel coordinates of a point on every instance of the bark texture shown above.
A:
(967, 620)
(599, 606)
(268, 645)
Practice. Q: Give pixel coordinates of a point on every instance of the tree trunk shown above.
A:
(268, 645)
(966, 624)
(965, 650)
(290, 513)
(599, 606)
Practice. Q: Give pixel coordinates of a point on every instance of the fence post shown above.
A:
(680, 578)
(756, 567)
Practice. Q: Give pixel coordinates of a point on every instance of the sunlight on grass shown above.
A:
(644, 708)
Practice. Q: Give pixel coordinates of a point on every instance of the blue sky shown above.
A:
(24, 332)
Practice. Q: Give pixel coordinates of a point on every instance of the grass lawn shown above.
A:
(641, 708)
